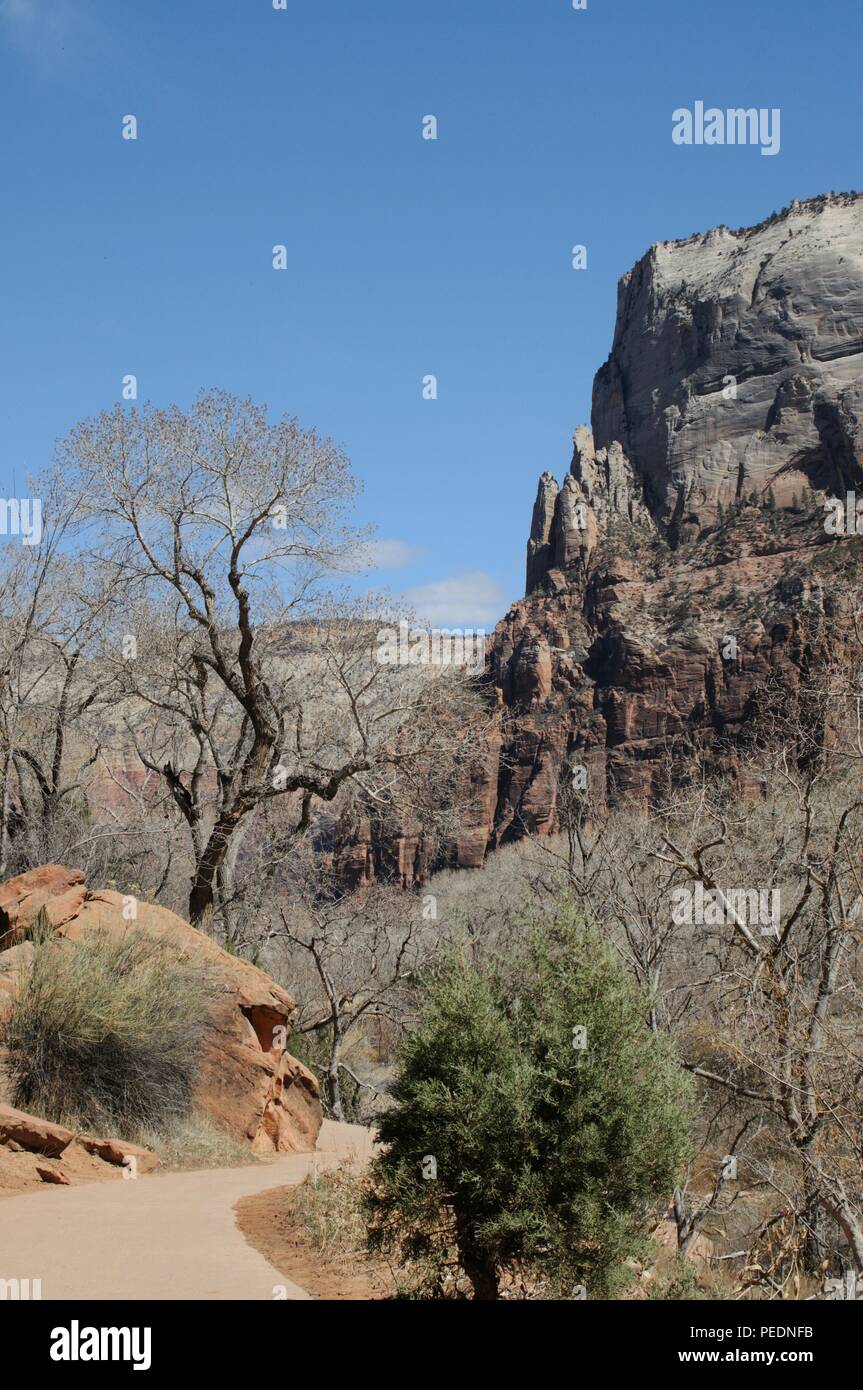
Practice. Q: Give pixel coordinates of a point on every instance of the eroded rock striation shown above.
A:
(736, 362)
(683, 567)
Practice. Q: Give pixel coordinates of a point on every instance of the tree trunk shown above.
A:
(201, 903)
(482, 1275)
(202, 898)
(4, 814)
(334, 1085)
(226, 881)
(334, 1094)
(477, 1265)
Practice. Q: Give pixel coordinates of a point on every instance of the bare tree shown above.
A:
(54, 610)
(783, 1003)
(601, 857)
(245, 679)
(363, 955)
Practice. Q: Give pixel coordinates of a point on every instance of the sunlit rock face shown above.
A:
(736, 362)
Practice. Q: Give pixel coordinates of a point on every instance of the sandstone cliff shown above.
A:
(736, 362)
(683, 569)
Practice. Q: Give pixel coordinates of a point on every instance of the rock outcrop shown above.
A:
(30, 1132)
(683, 568)
(249, 1085)
(736, 363)
(33, 1151)
(21, 1131)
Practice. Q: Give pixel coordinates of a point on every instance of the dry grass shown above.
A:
(105, 1032)
(193, 1142)
(329, 1210)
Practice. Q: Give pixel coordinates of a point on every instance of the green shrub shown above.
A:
(106, 1031)
(544, 1155)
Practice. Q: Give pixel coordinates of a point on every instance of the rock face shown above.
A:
(683, 568)
(23, 897)
(249, 1085)
(736, 363)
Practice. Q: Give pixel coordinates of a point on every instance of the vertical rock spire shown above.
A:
(539, 546)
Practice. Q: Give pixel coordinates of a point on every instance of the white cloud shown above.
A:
(466, 600)
(385, 555)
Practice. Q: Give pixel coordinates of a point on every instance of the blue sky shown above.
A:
(405, 256)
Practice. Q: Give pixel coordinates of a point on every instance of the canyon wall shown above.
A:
(683, 569)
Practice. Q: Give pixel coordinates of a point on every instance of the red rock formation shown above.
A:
(673, 587)
(21, 1132)
(638, 661)
(249, 1085)
(59, 890)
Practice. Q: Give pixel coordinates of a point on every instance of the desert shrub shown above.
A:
(510, 1145)
(330, 1209)
(106, 1031)
(40, 929)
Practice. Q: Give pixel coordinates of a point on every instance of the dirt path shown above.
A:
(270, 1224)
(163, 1237)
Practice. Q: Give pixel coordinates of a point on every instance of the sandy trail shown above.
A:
(160, 1237)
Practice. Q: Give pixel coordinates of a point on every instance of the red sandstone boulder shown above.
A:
(52, 1175)
(29, 1132)
(59, 890)
(249, 1085)
(20, 1132)
(118, 1152)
